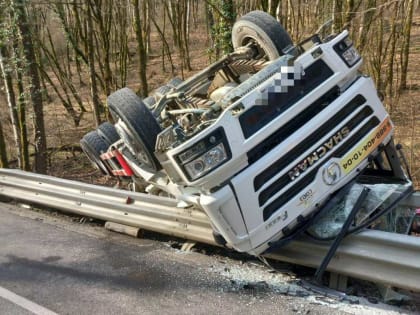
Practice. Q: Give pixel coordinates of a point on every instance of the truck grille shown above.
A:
(307, 143)
(271, 208)
(285, 161)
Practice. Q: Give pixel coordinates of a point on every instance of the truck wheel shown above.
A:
(93, 146)
(107, 131)
(262, 29)
(139, 128)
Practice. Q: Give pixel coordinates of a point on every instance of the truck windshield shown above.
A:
(382, 197)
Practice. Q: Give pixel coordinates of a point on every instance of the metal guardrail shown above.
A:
(158, 214)
(381, 257)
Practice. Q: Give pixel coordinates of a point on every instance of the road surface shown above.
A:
(53, 264)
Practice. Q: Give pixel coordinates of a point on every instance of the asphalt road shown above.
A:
(50, 264)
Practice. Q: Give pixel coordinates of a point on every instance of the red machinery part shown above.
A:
(123, 163)
(126, 169)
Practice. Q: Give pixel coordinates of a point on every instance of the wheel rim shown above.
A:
(135, 145)
(95, 160)
(266, 34)
(260, 51)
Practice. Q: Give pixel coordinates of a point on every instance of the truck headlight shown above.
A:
(206, 162)
(205, 155)
(347, 52)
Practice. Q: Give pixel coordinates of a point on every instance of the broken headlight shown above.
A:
(346, 50)
(205, 155)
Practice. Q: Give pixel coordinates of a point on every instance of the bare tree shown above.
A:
(6, 71)
(393, 37)
(141, 49)
(24, 142)
(101, 11)
(4, 163)
(91, 57)
(19, 7)
(166, 50)
(223, 16)
(337, 9)
(366, 22)
(179, 15)
(272, 7)
(405, 50)
(349, 13)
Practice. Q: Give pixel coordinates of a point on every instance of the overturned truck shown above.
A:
(262, 140)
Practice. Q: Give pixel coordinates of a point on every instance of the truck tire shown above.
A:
(260, 27)
(93, 146)
(108, 132)
(139, 129)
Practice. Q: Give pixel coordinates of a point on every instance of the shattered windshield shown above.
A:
(381, 196)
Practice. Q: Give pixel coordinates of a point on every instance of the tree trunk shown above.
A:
(272, 7)
(223, 15)
(349, 14)
(165, 45)
(140, 49)
(35, 88)
(24, 143)
(146, 26)
(73, 36)
(4, 163)
(366, 23)
(405, 50)
(11, 100)
(184, 31)
(62, 77)
(336, 16)
(91, 61)
(102, 12)
(389, 84)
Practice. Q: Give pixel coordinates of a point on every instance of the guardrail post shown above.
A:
(338, 282)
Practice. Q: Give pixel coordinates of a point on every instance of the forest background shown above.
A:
(60, 59)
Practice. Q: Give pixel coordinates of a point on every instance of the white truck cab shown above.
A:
(259, 143)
